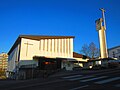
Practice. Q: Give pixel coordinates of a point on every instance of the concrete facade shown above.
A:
(114, 52)
(3, 61)
(103, 44)
(28, 46)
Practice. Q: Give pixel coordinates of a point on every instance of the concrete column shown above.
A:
(103, 46)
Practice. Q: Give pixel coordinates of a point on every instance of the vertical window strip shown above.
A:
(50, 45)
(69, 46)
(66, 46)
(44, 45)
(58, 45)
(54, 45)
(40, 45)
(47, 43)
(63, 45)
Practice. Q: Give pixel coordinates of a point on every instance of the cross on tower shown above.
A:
(27, 47)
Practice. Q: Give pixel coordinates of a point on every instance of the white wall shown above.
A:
(13, 57)
(46, 47)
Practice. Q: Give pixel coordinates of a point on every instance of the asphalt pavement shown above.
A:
(69, 80)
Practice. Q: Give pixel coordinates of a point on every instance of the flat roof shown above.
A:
(114, 47)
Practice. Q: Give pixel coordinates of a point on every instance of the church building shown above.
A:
(42, 52)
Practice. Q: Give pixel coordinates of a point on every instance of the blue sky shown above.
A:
(58, 17)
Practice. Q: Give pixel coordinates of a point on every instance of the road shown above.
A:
(70, 80)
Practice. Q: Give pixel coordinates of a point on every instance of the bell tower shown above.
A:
(101, 27)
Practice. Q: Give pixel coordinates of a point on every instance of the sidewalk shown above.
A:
(65, 72)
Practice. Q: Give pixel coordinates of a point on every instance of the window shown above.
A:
(39, 45)
(43, 45)
(119, 57)
(118, 50)
(113, 54)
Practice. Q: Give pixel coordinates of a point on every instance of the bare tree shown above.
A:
(94, 51)
(91, 50)
(85, 50)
